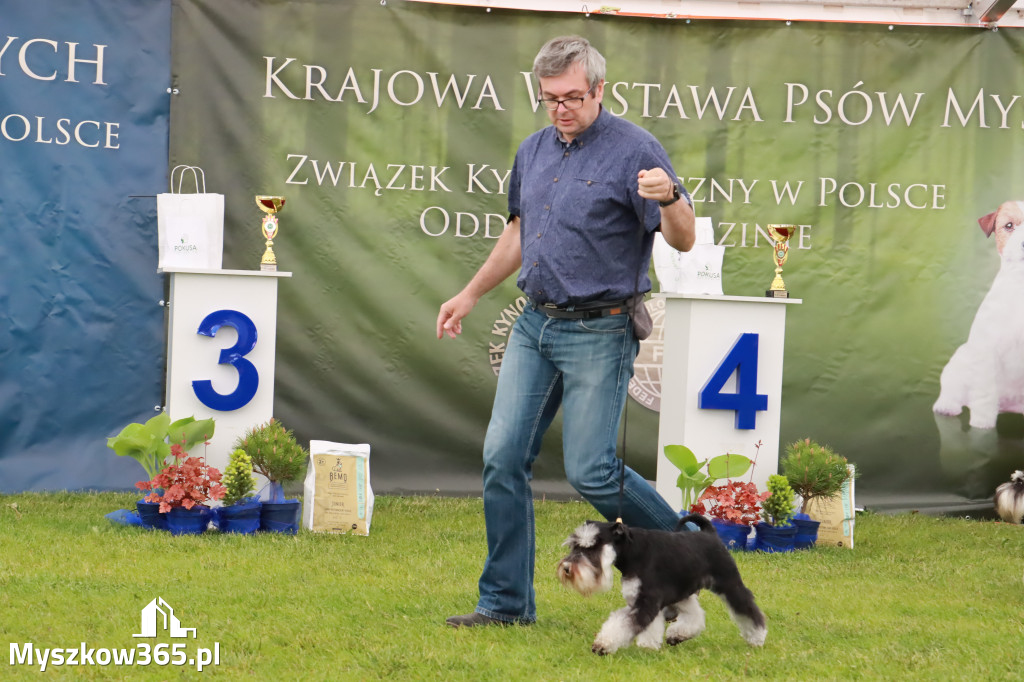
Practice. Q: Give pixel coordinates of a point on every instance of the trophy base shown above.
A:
(777, 293)
(268, 267)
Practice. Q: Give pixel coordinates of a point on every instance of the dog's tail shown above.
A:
(695, 522)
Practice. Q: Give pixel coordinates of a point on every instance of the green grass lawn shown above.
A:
(919, 598)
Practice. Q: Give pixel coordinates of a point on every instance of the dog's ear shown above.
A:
(988, 223)
(620, 532)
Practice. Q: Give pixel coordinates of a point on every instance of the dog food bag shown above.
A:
(836, 514)
(337, 493)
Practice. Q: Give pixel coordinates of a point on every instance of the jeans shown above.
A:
(584, 366)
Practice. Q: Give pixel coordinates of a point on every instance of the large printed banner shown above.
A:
(83, 140)
(391, 128)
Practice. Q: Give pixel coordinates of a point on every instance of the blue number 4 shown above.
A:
(248, 377)
(746, 401)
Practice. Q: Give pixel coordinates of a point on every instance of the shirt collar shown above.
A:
(592, 131)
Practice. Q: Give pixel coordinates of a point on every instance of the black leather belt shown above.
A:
(584, 311)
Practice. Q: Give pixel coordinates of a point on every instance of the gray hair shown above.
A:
(558, 54)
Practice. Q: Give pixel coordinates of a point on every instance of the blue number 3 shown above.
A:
(248, 377)
(746, 401)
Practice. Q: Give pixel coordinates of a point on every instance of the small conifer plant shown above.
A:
(778, 507)
(814, 470)
(237, 479)
(274, 453)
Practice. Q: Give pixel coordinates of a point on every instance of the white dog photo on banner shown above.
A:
(986, 373)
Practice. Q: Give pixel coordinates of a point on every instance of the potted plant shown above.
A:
(149, 444)
(277, 455)
(692, 482)
(182, 490)
(733, 508)
(814, 472)
(241, 511)
(774, 532)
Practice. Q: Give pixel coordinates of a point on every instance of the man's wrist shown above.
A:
(676, 196)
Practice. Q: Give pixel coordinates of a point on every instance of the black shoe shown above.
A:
(472, 620)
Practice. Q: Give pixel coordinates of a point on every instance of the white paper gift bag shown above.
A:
(697, 271)
(190, 225)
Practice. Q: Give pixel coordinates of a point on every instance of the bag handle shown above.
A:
(197, 172)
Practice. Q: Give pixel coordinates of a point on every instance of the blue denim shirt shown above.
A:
(584, 230)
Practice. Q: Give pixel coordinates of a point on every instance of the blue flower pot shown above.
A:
(773, 539)
(806, 531)
(733, 535)
(181, 521)
(280, 517)
(241, 517)
(150, 516)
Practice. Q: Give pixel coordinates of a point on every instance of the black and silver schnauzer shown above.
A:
(662, 573)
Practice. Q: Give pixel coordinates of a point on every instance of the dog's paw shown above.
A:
(755, 635)
(678, 639)
(689, 625)
(651, 638)
(602, 649)
(947, 407)
(982, 420)
(758, 640)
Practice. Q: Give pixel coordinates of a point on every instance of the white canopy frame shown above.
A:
(985, 14)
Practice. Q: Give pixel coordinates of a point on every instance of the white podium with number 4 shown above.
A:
(222, 339)
(721, 382)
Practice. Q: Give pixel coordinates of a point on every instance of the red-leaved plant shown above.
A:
(187, 482)
(734, 502)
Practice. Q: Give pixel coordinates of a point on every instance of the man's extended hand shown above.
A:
(503, 261)
(449, 319)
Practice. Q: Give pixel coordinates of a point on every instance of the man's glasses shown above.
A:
(570, 103)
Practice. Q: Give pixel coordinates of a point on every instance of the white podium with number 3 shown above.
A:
(721, 382)
(222, 338)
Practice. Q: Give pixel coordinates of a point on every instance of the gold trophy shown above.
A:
(781, 235)
(269, 205)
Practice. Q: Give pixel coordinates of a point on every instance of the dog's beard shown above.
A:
(582, 575)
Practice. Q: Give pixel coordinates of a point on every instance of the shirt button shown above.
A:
(538, 234)
(566, 155)
(547, 207)
(556, 179)
(590, 182)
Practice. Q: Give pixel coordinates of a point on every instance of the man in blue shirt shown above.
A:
(586, 195)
